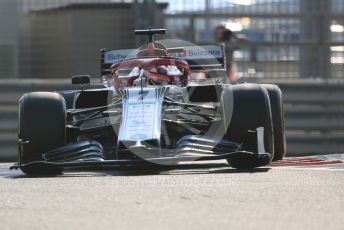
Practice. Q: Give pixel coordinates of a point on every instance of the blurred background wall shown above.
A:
(64, 39)
(59, 38)
(9, 16)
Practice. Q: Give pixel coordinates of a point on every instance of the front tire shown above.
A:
(275, 95)
(246, 107)
(42, 127)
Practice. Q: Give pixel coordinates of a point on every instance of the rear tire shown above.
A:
(247, 107)
(275, 95)
(42, 125)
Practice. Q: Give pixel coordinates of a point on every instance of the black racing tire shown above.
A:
(246, 107)
(42, 127)
(277, 110)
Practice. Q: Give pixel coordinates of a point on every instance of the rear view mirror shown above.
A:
(81, 79)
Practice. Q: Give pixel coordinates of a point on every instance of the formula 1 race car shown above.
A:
(163, 106)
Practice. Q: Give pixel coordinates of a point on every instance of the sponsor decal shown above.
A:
(140, 121)
(200, 52)
(190, 53)
(114, 56)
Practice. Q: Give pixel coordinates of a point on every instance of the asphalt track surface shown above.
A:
(298, 193)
